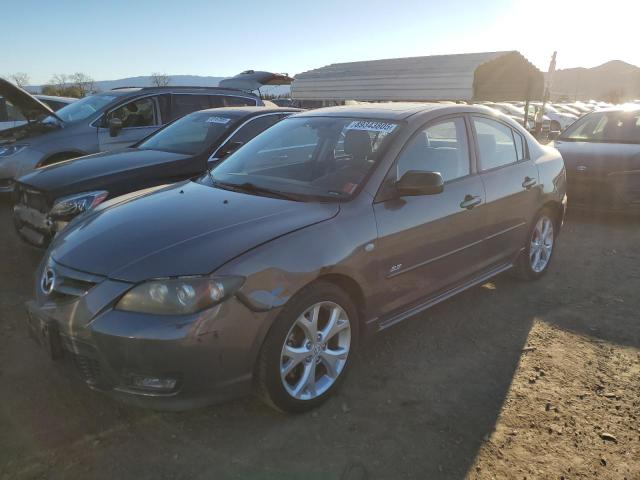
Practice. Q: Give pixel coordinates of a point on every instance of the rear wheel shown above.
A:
(536, 258)
(308, 349)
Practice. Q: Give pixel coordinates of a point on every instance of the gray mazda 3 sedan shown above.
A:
(267, 272)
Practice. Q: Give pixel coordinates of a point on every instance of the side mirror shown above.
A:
(228, 149)
(115, 125)
(555, 126)
(415, 182)
(553, 135)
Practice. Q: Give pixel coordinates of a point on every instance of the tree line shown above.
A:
(76, 85)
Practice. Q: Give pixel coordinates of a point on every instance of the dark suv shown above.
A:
(102, 122)
(267, 272)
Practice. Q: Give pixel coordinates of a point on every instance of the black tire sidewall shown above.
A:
(270, 384)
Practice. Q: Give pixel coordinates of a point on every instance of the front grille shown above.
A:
(62, 284)
(31, 198)
(89, 369)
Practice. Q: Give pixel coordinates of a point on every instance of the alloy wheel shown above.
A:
(315, 350)
(541, 244)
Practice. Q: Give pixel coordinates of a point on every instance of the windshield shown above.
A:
(319, 157)
(189, 135)
(606, 127)
(83, 108)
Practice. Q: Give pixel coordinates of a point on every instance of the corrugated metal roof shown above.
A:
(437, 77)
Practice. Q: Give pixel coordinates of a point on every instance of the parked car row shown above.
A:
(97, 123)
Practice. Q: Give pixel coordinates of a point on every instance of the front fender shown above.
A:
(275, 271)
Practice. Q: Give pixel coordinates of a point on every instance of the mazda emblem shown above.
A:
(48, 281)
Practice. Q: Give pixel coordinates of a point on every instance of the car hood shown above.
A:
(29, 106)
(185, 229)
(96, 172)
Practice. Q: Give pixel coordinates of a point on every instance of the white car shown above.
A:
(563, 118)
(11, 117)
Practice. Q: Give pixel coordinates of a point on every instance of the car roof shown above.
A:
(181, 89)
(397, 111)
(626, 108)
(239, 112)
(386, 111)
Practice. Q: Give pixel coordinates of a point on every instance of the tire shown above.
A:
(280, 378)
(526, 267)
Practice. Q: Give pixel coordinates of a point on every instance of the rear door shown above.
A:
(430, 243)
(510, 179)
(140, 117)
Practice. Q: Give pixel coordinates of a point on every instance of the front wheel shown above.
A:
(536, 258)
(308, 349)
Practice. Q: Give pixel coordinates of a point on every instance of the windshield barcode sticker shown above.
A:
(371, 126)
(222, 120)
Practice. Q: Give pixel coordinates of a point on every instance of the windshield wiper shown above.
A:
(248, 187)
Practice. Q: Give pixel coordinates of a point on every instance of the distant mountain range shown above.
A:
(176, 80)
(613, 81)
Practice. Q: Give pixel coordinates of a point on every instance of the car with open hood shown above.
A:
(46, 199)
(10, 116)
(98, 123)
(267, 273)
(602, 154)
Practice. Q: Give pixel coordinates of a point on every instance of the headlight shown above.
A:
(7, 150)
(179, 296)
(74, 204)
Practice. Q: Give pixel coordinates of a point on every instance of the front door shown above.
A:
(511, 182)
(139, 118)
(429, 243)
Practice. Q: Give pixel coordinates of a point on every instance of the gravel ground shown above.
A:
(507, 380)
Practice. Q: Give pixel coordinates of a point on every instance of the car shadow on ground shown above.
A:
(420, 400)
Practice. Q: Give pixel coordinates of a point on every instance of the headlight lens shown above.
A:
(179, 296)
(74, 204)
(7, 150)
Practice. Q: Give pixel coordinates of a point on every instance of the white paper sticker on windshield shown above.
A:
(222, 120)
(371, 126)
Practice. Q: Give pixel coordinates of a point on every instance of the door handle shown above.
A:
(528, 182)
(470, 201)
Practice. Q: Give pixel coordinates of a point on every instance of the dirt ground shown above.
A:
(508, 380)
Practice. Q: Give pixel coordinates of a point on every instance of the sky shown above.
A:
(121, 38)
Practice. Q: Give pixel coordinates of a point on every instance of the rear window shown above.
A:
(605, 127)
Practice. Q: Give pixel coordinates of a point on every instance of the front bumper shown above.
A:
(210, 355)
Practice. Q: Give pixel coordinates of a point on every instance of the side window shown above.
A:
(496, 146)
(254, 127)
(13, 113)
(139, 113)
(238, 102)
(181, 104)
(441, 147)
(521, 152)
